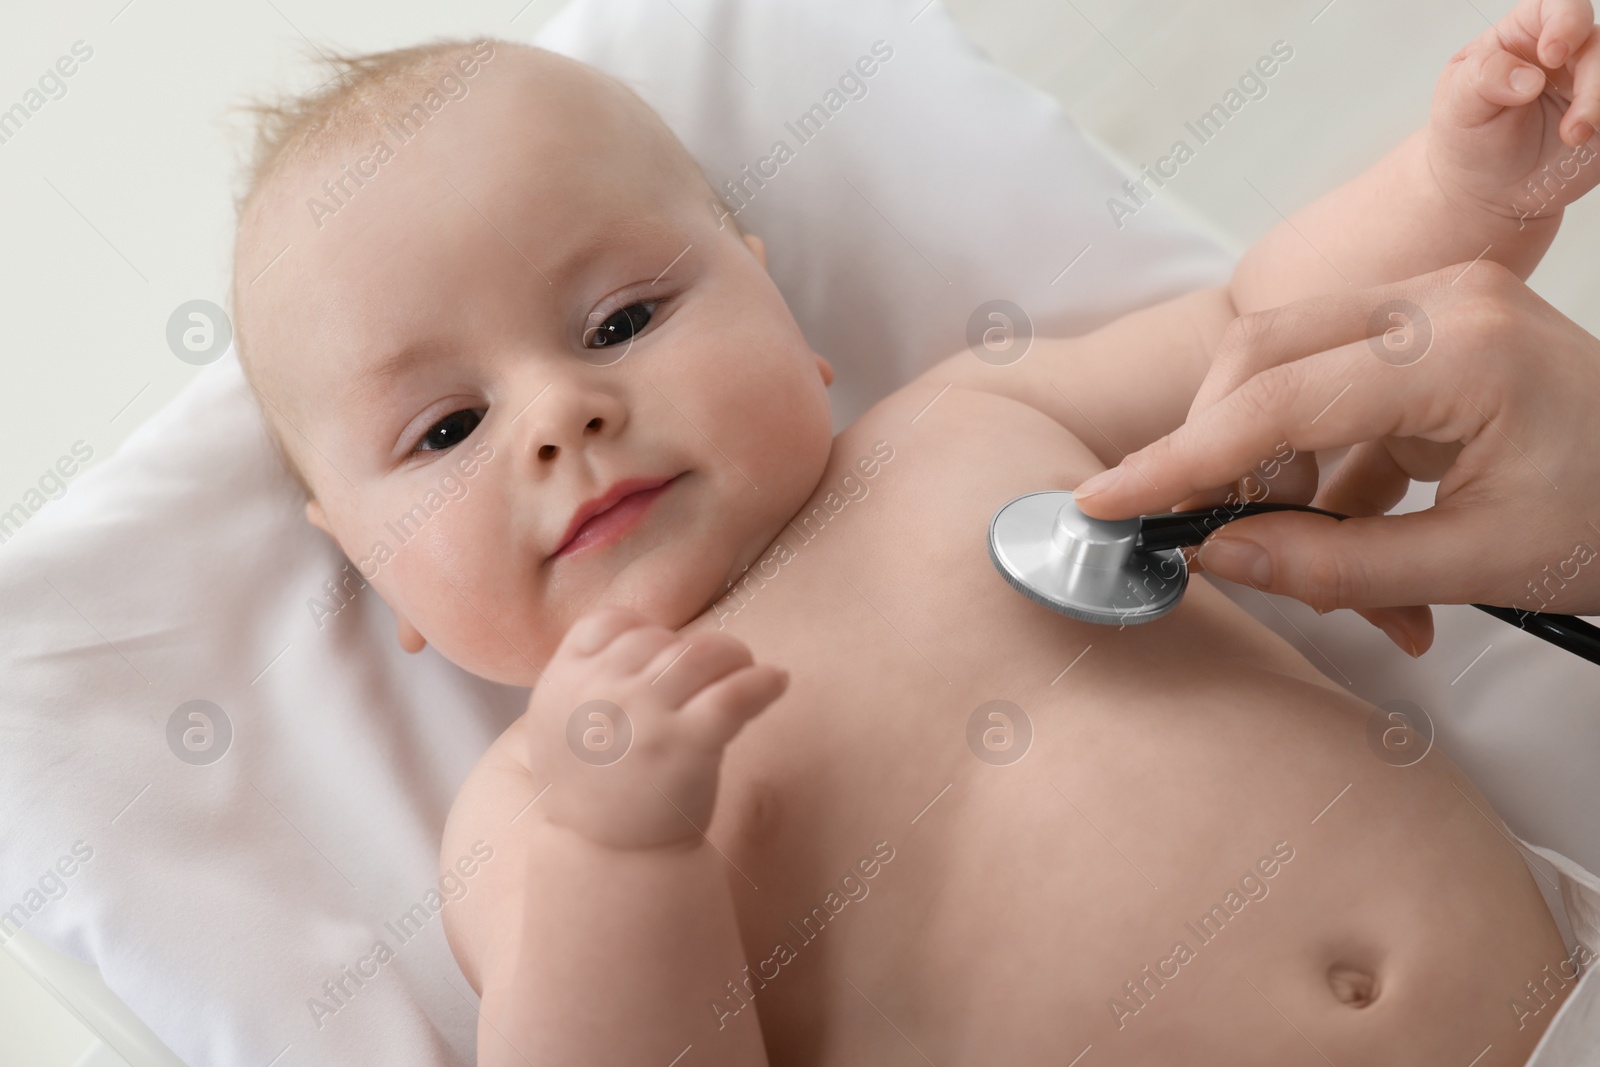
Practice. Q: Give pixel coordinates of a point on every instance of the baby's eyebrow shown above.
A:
(372, 379)
(374, 376)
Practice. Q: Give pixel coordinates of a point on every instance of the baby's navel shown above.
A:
(1351, 985)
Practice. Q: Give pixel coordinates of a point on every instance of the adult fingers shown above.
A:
(1370, 481)
(1251, 344)
(1289, 482)
(1261, 339)
(1276, 341)
(1336, 398)
(1410, 628)
(1438, 556)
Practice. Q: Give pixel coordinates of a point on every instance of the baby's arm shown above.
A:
(1117, 389)
(1488, 176)
(604, 925)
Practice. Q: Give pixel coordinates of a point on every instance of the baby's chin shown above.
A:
(670, 586)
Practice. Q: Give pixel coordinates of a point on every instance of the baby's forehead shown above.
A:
(540, 145)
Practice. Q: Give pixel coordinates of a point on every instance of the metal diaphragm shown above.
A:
(1087, 568)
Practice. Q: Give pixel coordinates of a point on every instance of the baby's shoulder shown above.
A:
(947, 417)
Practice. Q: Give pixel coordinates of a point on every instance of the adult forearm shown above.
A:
(618, 959)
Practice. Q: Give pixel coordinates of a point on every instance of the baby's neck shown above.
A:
(839, 489)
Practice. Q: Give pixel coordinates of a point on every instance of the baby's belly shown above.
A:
(1176, 843)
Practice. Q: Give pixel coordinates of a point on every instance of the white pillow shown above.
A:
(947, 184)
(218, 899)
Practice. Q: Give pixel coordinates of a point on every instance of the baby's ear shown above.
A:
(410, 639)
(826, 370)
(316, 518)
(758, 247)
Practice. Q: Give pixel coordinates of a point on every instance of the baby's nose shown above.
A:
(551, 449)
(568, 417)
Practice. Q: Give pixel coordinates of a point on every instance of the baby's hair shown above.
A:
(360, 95)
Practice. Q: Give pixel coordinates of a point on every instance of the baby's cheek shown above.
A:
(466, 583)
(792, 444)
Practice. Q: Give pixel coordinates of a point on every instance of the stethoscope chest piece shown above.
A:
(1090, 569)
(1130, 571)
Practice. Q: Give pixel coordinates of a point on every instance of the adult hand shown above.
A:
(1463, 377)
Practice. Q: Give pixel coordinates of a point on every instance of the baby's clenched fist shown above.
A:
(629, 723)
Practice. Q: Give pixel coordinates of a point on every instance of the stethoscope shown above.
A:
(1129, 571)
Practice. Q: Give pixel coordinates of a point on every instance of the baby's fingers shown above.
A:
(1541, 31)
(1484, 83)
(597, 629)
(1560, 27)
(683, 668)
(1583, 117)
(718, 711)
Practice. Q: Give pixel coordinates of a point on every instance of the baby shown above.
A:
(801, 779)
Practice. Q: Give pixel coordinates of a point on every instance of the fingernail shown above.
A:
(1098, 484)
(1399, 637)
(1582, 131)
(1557, 53)
(1237, 560)
(1526, 79)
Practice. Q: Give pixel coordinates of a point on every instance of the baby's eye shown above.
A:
(450, 430)
(622, 325)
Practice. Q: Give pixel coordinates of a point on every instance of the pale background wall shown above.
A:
(118, 196)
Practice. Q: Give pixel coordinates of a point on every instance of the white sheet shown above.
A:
(1573, 1039)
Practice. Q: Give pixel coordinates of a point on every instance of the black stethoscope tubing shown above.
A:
(1183, 528)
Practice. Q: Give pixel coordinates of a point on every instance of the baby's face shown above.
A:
(523, 316)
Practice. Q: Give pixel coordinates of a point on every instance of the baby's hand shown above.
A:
(1523, 97)
(629, 723)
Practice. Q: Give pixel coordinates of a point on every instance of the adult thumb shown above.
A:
(1424, 557)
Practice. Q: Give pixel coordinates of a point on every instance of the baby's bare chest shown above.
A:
(881, 599)
(945, 744)
(914, 664)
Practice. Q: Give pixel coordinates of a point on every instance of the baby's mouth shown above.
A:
(608, 518)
